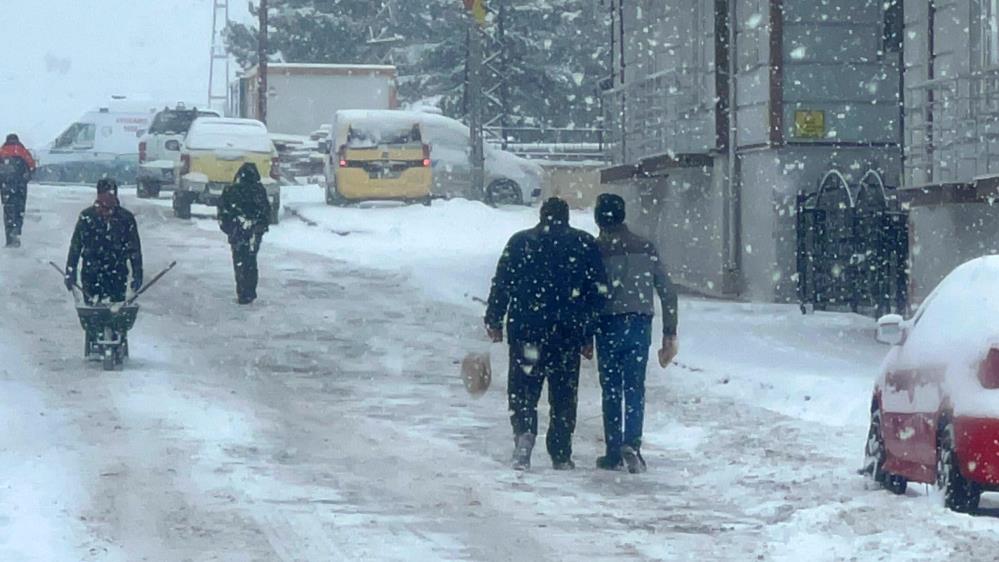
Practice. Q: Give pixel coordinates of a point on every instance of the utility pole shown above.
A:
(219, 72)
(473, 100)
(262, 63)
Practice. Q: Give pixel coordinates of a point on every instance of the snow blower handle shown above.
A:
(152, 282)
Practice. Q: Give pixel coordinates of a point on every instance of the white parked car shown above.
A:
(510, 179)
(159, 148)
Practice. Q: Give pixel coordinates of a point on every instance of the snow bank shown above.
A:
(449, 250)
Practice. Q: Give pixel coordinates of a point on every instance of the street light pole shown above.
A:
(262, 49)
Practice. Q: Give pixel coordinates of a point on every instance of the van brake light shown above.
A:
(142, 152)
(988, 372)
(426, 156)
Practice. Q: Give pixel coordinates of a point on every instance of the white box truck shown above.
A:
(302, 97)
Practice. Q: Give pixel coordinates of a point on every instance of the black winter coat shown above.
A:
(244, 211)
(550, 283)
(102, 251)
(14, 177)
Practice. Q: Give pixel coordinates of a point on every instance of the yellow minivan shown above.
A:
(377, 156)
(213, 151)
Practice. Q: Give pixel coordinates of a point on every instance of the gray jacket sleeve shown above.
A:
(667, 294)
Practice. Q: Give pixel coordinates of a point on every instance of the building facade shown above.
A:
(721, 112)
(951, 165)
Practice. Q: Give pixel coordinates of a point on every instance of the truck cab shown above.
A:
(159, 148)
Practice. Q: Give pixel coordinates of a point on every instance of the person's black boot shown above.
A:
(523, 445)
(609, 463)
(633, 459)
(564, 465)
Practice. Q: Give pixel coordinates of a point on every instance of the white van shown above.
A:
(101, 143)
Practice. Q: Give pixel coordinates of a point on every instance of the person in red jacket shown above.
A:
(16, 167)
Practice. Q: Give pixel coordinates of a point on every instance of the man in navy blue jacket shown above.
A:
(550, 285)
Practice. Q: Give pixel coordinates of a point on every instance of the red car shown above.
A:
(935, 411)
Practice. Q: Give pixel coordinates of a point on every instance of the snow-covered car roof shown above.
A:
(211, 133)
(956, 326)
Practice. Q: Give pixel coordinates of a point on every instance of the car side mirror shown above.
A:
(891, 329)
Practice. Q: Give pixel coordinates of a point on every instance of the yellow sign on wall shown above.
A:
(809, 124)
(478, 9)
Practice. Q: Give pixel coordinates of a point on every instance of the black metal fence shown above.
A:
(853, 247)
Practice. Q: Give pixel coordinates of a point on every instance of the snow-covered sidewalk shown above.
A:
(328, 422)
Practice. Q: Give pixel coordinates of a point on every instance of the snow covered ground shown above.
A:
(328, 421)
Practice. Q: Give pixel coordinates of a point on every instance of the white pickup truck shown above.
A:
(159, 149)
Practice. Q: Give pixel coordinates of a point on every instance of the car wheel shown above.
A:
(875, 455)
(181, 205)
(504, 192)
(147, 190)
(960, 495)
(334, 198)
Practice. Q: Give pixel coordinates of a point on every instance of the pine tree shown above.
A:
(555, 54)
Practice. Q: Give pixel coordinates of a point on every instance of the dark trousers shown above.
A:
(14, 202)
(530, 366)
(244, 262)
(105, 286)
(622, 357)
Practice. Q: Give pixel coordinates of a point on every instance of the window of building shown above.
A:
(989, 33)
(893, 27)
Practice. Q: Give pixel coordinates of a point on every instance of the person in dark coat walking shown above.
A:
(549, 285)
(105, 252)
(16, 167)
(636, 275)
(244, 216)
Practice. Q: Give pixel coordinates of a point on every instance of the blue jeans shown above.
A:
(622, 357)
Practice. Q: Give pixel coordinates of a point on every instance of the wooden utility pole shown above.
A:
(262, 49)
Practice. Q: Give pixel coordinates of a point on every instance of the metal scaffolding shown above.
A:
(219, 68)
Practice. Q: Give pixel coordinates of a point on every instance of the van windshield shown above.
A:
(173, 122)
(78, 135)
(370, 135)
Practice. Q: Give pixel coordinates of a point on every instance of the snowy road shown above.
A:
(327, 421)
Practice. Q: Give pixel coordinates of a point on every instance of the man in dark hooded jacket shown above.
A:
(549, 285)
(244, 216)
(105, 249)
(16, 167)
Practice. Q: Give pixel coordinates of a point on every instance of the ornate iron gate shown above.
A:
(853, 247)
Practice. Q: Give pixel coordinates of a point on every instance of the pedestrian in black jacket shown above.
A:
(244, 215)
(637, 276)
(549, 285)
(105, 251)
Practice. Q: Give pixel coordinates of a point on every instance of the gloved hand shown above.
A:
(136, 285)
(70, 284)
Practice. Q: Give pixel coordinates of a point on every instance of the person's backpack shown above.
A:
(12, 168)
